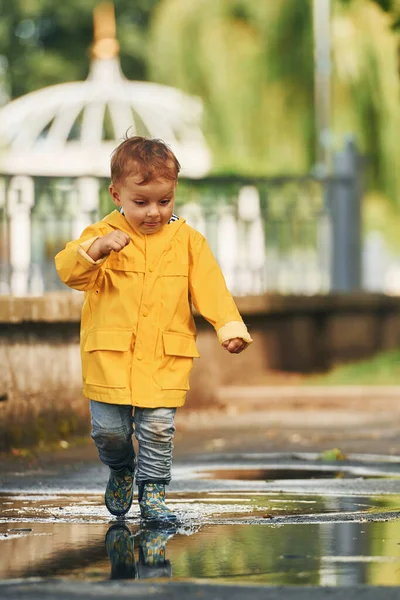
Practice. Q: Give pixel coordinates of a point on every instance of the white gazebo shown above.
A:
(70, 130)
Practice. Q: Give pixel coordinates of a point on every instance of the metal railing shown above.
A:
(282, 234)
(267, 234)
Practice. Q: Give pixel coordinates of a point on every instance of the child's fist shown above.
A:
(114, 241)
(235, 346)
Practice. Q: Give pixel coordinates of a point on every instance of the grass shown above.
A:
(382, 369)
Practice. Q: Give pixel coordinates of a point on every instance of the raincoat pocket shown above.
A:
(107, 356)
(180, 350)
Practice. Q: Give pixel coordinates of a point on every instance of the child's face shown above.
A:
(147, 207)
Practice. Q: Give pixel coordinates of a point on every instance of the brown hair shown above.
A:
(150, 158)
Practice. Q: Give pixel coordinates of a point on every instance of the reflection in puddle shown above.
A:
(92, 548)
(151, 562)
(324, 554)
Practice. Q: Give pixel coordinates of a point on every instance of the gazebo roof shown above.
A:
(71, 129)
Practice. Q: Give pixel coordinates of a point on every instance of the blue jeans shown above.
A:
(112, 428)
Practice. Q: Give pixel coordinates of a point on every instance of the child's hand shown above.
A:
(116, 240)
(235, 346)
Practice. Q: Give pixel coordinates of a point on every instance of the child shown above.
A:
(140, 268)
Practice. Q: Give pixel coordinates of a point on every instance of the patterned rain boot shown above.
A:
(152, 503)
(120, 547)
(152, 562)
(119, 492)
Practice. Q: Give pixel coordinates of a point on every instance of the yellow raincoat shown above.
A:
(138, 337)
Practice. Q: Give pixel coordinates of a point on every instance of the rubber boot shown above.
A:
(152, 503)
(119, 492)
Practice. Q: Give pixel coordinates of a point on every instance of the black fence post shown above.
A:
(345, 195)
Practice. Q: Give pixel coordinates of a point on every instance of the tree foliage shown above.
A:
(392, 7)
(366, 87)
(252, 63)
(43, 42)
(227, 52)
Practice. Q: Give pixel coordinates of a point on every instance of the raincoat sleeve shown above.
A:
(210, 295)
(74, 266)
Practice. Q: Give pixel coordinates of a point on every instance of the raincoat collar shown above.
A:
(118, 221)
(154, 245)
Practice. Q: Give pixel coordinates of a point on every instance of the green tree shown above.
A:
(227, 53)
(252, 63)
(392, 7)
(366, 87)
(44, 42)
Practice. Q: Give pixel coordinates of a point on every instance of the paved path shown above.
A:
(244, 436)
(187, 591)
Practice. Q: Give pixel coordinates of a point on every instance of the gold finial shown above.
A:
(105, 42)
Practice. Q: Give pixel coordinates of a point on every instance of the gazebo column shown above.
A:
(88, 204)
(21, 198)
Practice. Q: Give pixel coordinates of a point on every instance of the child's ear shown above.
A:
(114, 194)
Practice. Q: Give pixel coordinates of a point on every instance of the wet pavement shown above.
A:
(277, 519)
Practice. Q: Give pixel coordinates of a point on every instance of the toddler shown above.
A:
(141, 267)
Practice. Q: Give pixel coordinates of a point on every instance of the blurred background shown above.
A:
(285, 116)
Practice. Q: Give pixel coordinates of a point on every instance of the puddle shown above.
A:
(324, 554)
(302, 471)
(223, 538)
(272, 474)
